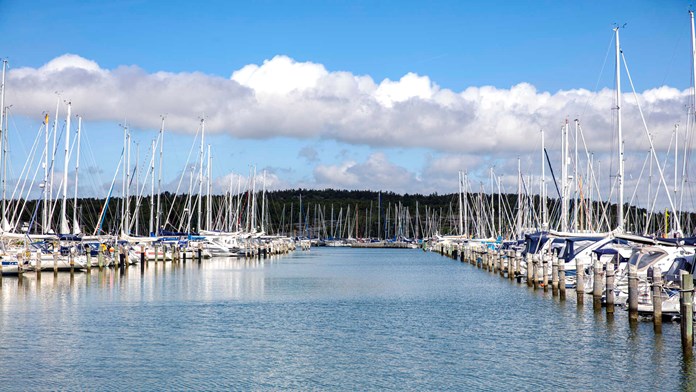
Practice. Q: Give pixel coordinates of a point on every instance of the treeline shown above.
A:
(341, 213)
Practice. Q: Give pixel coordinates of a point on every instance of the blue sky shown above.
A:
(418, 131)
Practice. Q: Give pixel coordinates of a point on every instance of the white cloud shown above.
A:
(284, 97)
(474, 129)
(377, 172)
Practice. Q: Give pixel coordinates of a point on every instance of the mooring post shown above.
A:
(530, 270)
(580, 281)
(117, 255)
(56, 250)
(655, 275)
(554, 274)
(495, 259)
(88, 257)
(597, 284)
(100, 258)
(511, 264)
(38, 264)
(142, 259)
(502, 258)
(200, 252)
(71, 255)
(20, 264)
(518, 266)
(686, 311)
(561, 279)
(632, 292)
(610, 288)
(545, 273)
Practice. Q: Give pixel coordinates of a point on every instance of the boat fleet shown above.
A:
(580, 237)
(43, 238)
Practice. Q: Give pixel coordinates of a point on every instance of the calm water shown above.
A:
(328, 319)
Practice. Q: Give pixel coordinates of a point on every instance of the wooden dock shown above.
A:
(382, 244)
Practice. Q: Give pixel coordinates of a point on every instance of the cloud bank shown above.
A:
(283, 97)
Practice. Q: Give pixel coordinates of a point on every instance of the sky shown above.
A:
(382, 95)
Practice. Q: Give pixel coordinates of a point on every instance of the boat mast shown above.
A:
(208, 203)
(200, 175)
(465, 200)
(128, 183)
(53, 159)
(675, 215)
(76, 225)
(44, 212)
(576, 180)
(64, 229)
(123, 184)
(137, 187)
(519, 198)
(620, 210)
(263, 203)
(159, 178)
(5, 226)
(152, 190)
(500, 209)
(545, 221)
(461, 206)
(564, 177)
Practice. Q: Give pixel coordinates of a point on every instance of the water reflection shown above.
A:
(325, 319)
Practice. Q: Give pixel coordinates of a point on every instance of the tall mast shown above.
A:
(5, 142)
(466, 205)
(123, 185)
(253, 203)
(137, 187)
(128, 181)
(159, 178)
(53, 159)
(519, 197)
(492, 209)
(620, 211)
(76, 224)
(200, 175)
(564, 177)
(208, 203)
(576, 180)
(263, 203)
(64, 229)
(152, 190)
(675, 215)
(500, 209)
(544, 216)
(44, 212)
(461, 207)
(2, 143)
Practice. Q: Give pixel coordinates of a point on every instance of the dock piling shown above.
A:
(544, 273)
(655, 275)
(554, 275)
(610, 288)
(597, 285)
(686, 311)
(561, 280)
(580, 281)
(632, 292)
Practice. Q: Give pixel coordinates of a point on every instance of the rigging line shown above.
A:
(606, 56)
(553, 176)
(645, 125)
(181, 178)
(640, 176)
